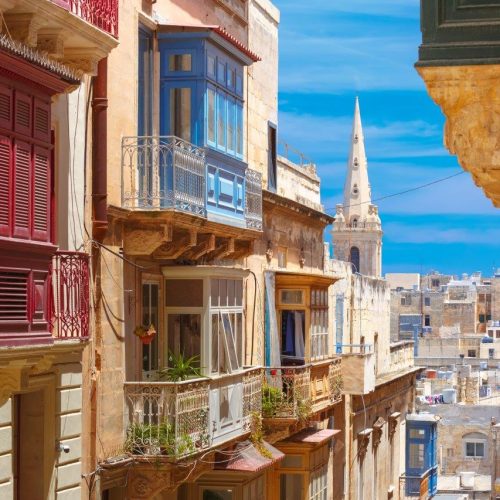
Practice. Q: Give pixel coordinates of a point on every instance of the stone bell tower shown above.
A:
(357, 230)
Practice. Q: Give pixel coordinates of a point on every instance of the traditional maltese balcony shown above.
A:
(70, 295)
(459, 61)
(77, 33)
(358, 368)
(297, 392)
(202, 210)
(174, 420)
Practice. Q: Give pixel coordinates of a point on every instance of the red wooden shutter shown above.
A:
(41, 194)
(5, 107)
(5, 186)
(22, 190)
(22, 117)
(41, 123)
(13, 296)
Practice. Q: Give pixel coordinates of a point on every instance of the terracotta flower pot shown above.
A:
(147, 339)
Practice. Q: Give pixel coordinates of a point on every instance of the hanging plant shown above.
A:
(146, 335)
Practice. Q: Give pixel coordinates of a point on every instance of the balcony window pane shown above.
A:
(231, 126)
(180, 113)
(230, 293)
(211, 116)
(292, 297)
(184, 334)
(291, 487)
(221, 72)
(221, 121)
(229, 342)
(217, 494)
(416, 455)
(215, 344)
(239, 337)
(183, 293)
(214, 292)
(150, 317)
(238, 291)
(179, 62)
(211, 66)
(239, 129)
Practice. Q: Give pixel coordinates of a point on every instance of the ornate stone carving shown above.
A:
(469, 96)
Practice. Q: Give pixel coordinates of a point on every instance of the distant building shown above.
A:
(357, 230)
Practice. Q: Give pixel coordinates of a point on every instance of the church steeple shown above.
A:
(357, 195)
(357, 231)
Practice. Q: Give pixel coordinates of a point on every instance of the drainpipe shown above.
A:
(99, 151)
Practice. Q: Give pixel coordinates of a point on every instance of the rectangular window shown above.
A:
(272, 161)
(427, 320)
(150, 293)
(471, 353)
(481, 318)
(417, 455)
(427, 301)
(318, 487)
(231, 126)
(183, 293)
(217, 494)
(291, 487)
(319, 323)
(180, 113)
(221, 120)
(179, 62)
(211, 116)
(292, 296)
(474, 449)
(239, 130)
(491, 353)
(184, 335)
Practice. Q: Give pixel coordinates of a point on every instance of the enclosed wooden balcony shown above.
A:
(77, 33)
(174, 420)
(358, 368)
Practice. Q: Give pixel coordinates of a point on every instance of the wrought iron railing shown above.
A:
(287, 392)
(70, 295)
(253, 195)
(102, 14)
(173, 419)
(163, 172)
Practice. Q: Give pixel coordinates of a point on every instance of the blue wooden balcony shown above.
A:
(169, 173)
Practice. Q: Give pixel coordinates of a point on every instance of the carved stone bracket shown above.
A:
(393, 423)
(469, 96)
(363, 441)
(378, 429)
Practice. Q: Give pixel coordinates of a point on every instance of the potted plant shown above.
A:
(181, 368)
(146, 335)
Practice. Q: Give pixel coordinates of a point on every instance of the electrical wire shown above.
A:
(399, 193)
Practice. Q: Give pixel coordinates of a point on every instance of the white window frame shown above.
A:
(475, 441)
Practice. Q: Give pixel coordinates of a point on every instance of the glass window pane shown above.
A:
(183, 293)
(231, 78)
(221, 120)
(239, 292)
(231, 126)
(291, 487)
(239, 84)
(180, 113)
(223, 293)
(214, 292)
(239, 129)
(239, 337)
(184, 334)
(211, 116)
(221, 72)
(469, 447)
(230, 293)
(179, 62)
(479, 449)
(217, 494)
(229, 341)
(211, 66)
(215, 344)
(291, 297)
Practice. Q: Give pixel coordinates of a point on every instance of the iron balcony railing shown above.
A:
(297, 391)
(102, 14)
(175, 420)
(70, 295)
(166, 172)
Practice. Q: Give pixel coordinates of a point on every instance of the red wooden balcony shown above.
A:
(70, 295)
(102, 14)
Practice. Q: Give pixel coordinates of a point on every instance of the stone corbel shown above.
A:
(12, 379)
(226, 249)
(43, 365)
(24, 27)
(363, 441)
(177, 248)
(51, 42)
(393, 423)
(207, 246)
(82, 61)
(470, 100)
(378, 429)
(146, 241)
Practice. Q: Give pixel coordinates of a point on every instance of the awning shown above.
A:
(247, 458)
(313, 436)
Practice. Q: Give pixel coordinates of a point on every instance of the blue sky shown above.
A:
(331, 51)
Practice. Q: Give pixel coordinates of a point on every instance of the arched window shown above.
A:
(354, 258)
(354, 222)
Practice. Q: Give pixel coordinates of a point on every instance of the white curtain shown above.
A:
(299, 335)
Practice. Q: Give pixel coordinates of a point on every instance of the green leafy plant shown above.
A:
(257, 434)
(304, 410)
(272, 398)
(180, 368)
